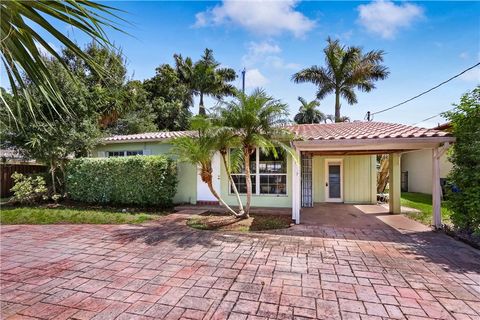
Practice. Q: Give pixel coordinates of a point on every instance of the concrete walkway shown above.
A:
(165, 270)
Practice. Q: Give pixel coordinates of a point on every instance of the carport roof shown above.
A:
(362, 130)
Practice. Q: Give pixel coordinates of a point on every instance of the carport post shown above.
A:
(394, 192)
(296, 188)
(436, 190)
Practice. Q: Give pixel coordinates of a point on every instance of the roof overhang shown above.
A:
(160, 140)
(371, 146)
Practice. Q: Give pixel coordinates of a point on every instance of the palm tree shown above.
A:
(257, 120)
(23, 49)
(346, 69)
(308, 112)
(199, 151)
(205, 77)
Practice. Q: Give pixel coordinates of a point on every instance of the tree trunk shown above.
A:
(246, 155)
(337, 105)
(207, 178)
(235, 190)
(201, 109)
(52, 173)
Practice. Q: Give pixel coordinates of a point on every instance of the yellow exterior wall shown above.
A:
(418, 164)
(359, 178)
(186, 173)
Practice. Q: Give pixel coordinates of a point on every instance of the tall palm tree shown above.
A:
(346, 69)
(257, 120)
(308, 112)
(205, 77)
(199, 151)
(22, 48)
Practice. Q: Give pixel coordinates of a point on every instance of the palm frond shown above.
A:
(20, 54)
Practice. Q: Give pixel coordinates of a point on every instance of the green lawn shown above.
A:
(41, 215)
(422, 202)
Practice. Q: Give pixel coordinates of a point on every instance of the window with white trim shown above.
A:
(270, 172)
(124, 153)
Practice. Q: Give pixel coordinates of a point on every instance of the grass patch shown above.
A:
(422, 202)
(256, 222)
(59, 215)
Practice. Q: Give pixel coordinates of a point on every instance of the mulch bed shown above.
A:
(223, 222)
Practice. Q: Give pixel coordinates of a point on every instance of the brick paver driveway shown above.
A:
(166, 270)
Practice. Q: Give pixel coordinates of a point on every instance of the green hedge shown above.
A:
(137, 180)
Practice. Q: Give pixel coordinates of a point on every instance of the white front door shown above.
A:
(333, 180)
(203, 192)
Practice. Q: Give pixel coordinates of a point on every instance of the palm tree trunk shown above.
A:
(209, 183)
(246, 155)
(337, 105)
(201, 109)
(234, 187)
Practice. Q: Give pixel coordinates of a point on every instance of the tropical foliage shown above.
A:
(205, 77)
(308, 113)
(200, 149)
(28, 189)
(22, 48)
(346, 69)
(258, 121)
(464, 201)
(138, 180)
(52, 137)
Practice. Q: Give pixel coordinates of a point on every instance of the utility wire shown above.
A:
(430, 118)
(427, 91)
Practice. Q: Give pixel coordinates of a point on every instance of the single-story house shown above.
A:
(417, 168)
(337, 163)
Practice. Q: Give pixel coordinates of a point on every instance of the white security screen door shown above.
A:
(333, 181)
(203, 192)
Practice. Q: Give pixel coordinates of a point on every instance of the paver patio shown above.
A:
(167, 270)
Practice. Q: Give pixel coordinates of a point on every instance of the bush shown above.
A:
(465, 175)
(137, 180)
(28, 189)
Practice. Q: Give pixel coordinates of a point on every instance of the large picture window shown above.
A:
(268, 171)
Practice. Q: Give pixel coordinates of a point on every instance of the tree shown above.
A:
(199, 151)
(465, 174)
(138, 115)
(257, 120)
(52, 137)
(346, 69)
(22, 47)
(169, 98)
(123, 104)
(308, 112)
(205, 77)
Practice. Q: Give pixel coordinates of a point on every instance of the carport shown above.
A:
(335, 141)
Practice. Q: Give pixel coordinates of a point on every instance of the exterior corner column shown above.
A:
(296, 188)
(394, 183)
(436, 189)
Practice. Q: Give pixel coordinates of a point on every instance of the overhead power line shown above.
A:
(369, 114)
(430, 118)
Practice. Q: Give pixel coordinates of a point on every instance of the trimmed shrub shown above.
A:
(137, 180)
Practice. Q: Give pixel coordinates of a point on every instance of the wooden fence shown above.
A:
(6, 171)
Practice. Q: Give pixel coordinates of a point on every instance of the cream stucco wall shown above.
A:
(186, 173)
(359, 178)
(418, 164)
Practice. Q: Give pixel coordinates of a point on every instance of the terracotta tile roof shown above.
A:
(362, 130)
(327, 131)
(154, 136)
